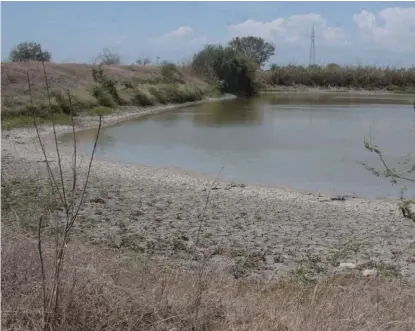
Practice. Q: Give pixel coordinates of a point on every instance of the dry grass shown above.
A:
(75, 77)
(103, 290)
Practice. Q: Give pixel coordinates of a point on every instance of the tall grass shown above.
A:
(101, 291)
(333, 75)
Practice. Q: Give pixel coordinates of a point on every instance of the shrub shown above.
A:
(142, 99)
(341, 76)
(105, 85)
(103, 97)
(29, 51)
(109, 57)
(159, 95)
(170, 72)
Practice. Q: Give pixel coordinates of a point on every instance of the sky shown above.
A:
(367, 33)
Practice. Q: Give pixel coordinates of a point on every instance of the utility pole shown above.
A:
(312, 59)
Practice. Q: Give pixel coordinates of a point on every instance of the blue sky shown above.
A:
(378, 33)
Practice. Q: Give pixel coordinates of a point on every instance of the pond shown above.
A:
(309, 142)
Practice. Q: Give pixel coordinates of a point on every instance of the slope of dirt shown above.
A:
(76, 77)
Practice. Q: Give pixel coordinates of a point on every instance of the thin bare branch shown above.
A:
(204, 209)
(56, 139)
(74, 143)
(42, 268)
(88, 173)
(50, 173)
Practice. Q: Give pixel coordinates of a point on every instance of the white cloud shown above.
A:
(117, 40)
(182, 31)
(392, 29)
(183, 38)
(294, 29)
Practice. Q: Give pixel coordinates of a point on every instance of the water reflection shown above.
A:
(313, 144)
(236, 112)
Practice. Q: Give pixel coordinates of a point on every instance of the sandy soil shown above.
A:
(245, 229)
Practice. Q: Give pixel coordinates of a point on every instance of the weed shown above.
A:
(349, 247)
(100, 110)
(159, 95)
(103, 97)
(142, 99)
(170, 73)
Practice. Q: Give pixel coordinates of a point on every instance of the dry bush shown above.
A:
(103, 290)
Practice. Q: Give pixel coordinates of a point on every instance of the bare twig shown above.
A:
(74, 143)
(389, 171)
(89, 169)
(55, 138)
(42, 268)
(50, 173)
(204, 209)
(71, 208)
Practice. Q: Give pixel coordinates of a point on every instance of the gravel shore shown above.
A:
(245, 229)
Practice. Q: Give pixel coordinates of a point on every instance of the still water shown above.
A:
(306, 142)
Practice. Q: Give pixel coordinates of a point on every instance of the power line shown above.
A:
(312, 59)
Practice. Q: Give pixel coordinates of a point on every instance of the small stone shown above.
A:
(347, 265)
(117, 241)
(369, 272)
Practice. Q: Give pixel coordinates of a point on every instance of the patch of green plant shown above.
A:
(213, 91)
(142, 99)
(17, 121)
(349, 247)
(100, 110)
(302, 276)
(103, 97)
(105, 84)
(159, 95)
(172, 93)
(170, 72)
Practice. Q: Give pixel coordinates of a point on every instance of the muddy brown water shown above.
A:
(299, 141)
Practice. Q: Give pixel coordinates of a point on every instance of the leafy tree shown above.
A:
(255, 48)
(109, 57)
(146, 61)
(232, 71)
(29, 51)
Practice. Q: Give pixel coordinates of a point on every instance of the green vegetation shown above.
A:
(255, 48)
(22, 120)
(142, 99)
(232, 71)
(334, 75)
(29, 51)
(170, 73)
(100, 110)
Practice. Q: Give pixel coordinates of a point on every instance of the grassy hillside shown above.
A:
(133, 85)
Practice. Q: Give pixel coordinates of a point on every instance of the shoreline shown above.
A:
(158, 205)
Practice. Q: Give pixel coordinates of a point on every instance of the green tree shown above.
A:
(255, 48)
(29, 51)
(232, 71)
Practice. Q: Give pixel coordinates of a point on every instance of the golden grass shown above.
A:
(76, 77)
(107, 290)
